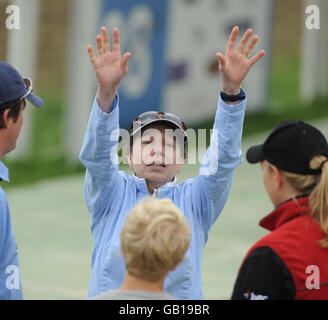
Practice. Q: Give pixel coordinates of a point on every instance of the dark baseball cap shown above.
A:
(14, 87)
(290, 147)
(153, 117)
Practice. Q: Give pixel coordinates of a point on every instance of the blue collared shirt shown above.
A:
(110, 195)
(10, 283)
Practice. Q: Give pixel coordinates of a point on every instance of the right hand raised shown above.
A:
(110, 67)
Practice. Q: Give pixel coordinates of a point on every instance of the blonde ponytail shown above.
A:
(317, 187)
(318, 199)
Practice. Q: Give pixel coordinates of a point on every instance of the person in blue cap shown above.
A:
(14, 91)
(110, 194)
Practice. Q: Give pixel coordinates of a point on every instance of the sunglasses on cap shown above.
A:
(151, 117)
(29, 87)
(37, 101)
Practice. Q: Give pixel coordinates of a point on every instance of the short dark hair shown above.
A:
(14, 106)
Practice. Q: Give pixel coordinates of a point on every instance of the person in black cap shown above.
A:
(14, 90)
(291, 262)
(156, 158)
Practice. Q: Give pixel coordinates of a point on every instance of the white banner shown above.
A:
(196, 31)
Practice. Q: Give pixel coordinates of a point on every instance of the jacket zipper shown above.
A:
(156, 193)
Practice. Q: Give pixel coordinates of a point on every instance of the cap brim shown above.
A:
(37, 101)
(255, 154)
(170, 123)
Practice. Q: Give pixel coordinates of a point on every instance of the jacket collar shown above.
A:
(142, 184)
(285, 212)
(4, 173)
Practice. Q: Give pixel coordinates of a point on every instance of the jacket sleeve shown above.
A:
(99, 156)
(10, 282)
(263, 276)
(210, 189)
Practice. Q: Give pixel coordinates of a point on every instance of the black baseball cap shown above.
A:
(13, 86)
(290, 147)
(155, 117)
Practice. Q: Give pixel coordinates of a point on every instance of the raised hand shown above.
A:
(234, 65)
(110, 67)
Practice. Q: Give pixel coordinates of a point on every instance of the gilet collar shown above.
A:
(285, 212)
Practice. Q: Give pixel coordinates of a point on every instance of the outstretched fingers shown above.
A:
(222, 61)
(250, 46)
(105, 39)
(99, 46)
(125, 59)
(233, 38)
(91, 53)
(257, 57)
(244, 40)
(116, 41)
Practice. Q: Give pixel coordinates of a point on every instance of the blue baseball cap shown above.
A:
(14, 87)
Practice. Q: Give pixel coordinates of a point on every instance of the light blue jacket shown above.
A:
(110, 195)
(10, 283)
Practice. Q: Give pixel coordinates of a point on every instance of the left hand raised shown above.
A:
(234, 65)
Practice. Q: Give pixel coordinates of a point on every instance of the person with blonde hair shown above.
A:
(154, 240)
(291, 262)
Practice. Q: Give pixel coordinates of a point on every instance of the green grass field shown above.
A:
(52, 228)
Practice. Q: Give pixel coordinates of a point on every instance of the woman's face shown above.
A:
(156, 156)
